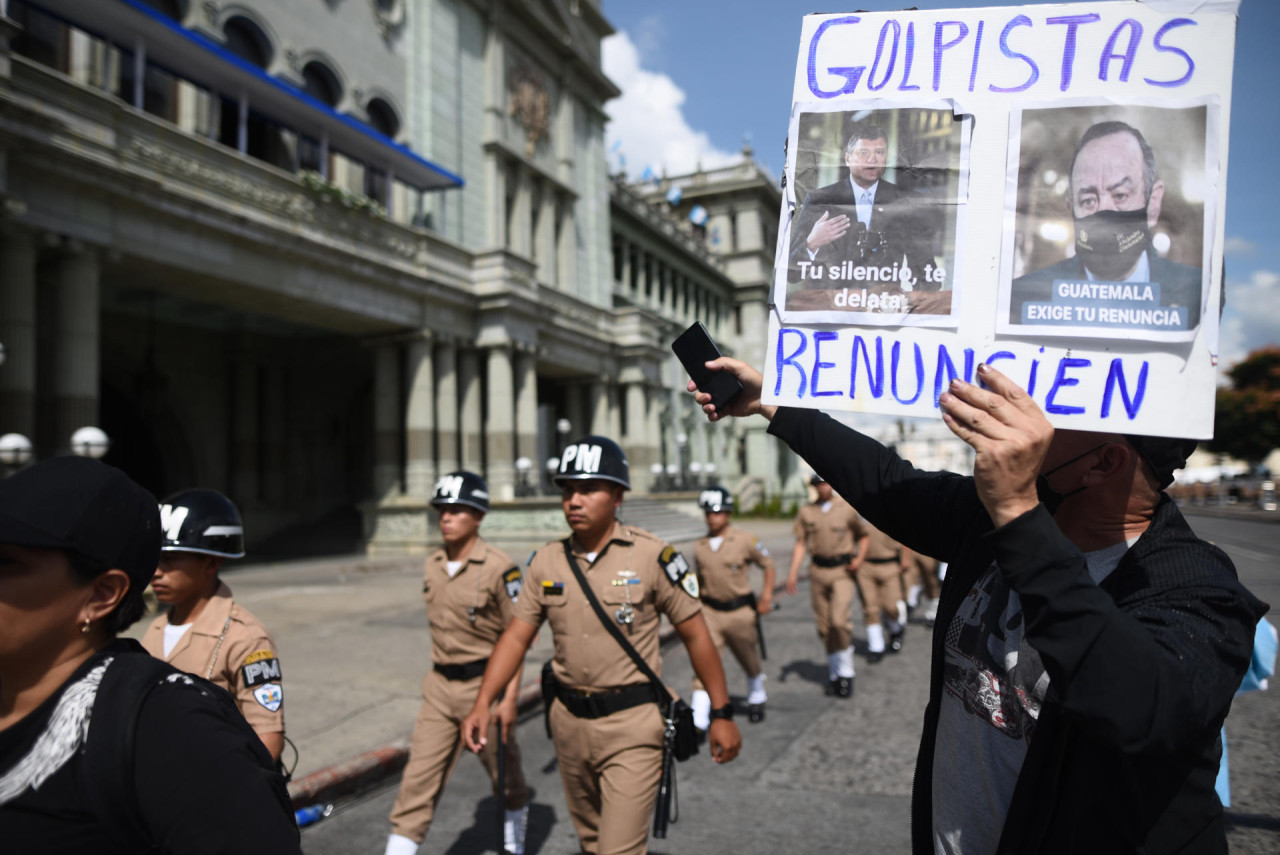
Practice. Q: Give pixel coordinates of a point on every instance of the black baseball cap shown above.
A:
(81, 505)
(1163, 454)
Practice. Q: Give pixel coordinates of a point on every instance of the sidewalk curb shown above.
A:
(377, 765)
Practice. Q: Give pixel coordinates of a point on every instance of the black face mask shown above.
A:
(1051, 498)
(1110, 242)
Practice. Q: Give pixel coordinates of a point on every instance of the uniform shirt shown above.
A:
(246, 664)
(633, 564)
(486, 586)
(201, 782)
(832, 532)
(724, 574)
(881, 547)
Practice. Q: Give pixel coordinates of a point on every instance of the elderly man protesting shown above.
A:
(1090, 643)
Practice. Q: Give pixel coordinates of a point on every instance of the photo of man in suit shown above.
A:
(1115, 196)
(865, 218)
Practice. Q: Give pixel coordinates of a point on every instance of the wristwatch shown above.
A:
(725, 712)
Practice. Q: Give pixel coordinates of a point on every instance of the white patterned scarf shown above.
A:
(67, 729)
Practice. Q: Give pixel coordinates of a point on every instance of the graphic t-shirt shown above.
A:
(993, 686)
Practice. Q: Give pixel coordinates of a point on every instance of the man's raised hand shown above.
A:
(1010, 435)
(826, 230)
(747, 402)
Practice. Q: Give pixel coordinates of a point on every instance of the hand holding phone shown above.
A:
(695, 348)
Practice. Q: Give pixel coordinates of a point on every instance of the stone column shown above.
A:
(527, 406)
(500, 426)
(18, 334)
(470, 402)
(574, 409)
(652, 431)
(604, 409)
(74, 374)
(447, 406)
(637, 436)
(420, 418)
(387, 435)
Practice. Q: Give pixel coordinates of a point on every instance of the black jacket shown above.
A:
(1142, 667)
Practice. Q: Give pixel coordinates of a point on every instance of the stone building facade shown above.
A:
(315, 254)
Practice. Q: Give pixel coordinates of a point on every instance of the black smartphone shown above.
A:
(695, 348)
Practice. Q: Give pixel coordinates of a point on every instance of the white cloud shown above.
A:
(1239, 246)
(1251, 318)
(648, 118)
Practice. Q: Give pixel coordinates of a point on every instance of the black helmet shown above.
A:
(715, 499)
(461, 488)
(201, 521)
(593, 457)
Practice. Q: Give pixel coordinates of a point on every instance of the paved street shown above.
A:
(818, 774)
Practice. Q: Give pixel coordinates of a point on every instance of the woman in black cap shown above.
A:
(104, 749)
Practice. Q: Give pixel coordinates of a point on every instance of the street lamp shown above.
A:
(655, 469)
(695, 473)
(553, 466)
(709, 469)
(90, 442)
(682, 441)
(15, 450)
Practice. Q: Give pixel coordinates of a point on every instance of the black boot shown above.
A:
(895, 640)
(755, 713)
(843, 687)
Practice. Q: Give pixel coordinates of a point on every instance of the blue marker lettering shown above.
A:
(977, 46)
(1109, 52)
(1019, 21)
(875, 377)
(893, 56)
(1115, 379)
(783, 362)
(1162, 48)
(851, 75)
(818, 364)
(939, 48)
(945, 365)
(904, 86)
(1072, 22)
(999, 354)
(1061, 382)
(896, 352)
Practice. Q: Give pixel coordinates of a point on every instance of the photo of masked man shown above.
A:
(1115, 197)
(866, 219)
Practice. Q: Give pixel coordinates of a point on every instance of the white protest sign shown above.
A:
(1038, 187)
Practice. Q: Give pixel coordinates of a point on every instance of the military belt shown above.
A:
(588, 704)
(833, 560)
(730, 605)
(465, 671)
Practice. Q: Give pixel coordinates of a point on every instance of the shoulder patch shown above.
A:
(512, 580)
(260, 667)
(270, 695)
(676, 567)
(690, 584)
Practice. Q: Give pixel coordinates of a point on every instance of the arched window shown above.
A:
(383, 118)
(246, 40)
(321, 83)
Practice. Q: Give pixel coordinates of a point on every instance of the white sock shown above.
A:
(913, 595)
(931, 608)
(701, 703)
(902, 615)
(514, 824)
(398, 844)
(833, 665)
(755, 690)
(844, 661)
(875, 638)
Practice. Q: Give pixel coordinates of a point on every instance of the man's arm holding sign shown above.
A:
(1145, 678)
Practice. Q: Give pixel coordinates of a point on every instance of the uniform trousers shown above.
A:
(923, 571)
(831, 589)
(737, 630)
(437, 743)
(881, 588)
(610, 768)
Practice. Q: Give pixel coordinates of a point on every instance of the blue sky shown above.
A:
(698, 75)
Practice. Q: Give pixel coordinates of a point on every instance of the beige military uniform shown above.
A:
(724, 577)
(231, 648)
(880, 576)
(609, 766)
(829, 535)
(923, 570)
(467, 613)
